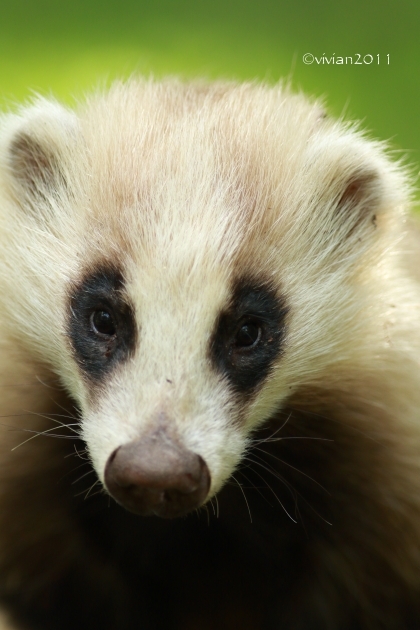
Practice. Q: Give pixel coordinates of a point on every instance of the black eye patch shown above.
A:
(249, 335)
(102, 326)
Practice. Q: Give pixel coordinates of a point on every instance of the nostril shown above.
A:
(112, 456)
(157, 476)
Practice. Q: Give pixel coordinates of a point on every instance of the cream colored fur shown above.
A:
(190, 186)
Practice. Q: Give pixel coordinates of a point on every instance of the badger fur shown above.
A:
(209, 310)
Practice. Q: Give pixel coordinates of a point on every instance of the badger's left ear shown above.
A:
(355, 186)
(35, 148)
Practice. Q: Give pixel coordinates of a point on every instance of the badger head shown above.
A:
(186, 257)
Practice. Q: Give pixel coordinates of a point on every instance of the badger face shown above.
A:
(170, 381)
(187, 246)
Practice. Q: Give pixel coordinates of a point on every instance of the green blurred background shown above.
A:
(66, 48)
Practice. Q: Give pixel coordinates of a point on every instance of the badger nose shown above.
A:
(155, 475)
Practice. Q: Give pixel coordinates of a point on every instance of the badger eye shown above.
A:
(102, 323)
(248, 335)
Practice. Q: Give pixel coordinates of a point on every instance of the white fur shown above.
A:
(190, 186)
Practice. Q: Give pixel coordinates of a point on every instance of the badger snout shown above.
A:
(157, 476)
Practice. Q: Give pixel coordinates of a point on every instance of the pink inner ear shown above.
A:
(359, 201)
(33, 167)
(361, 190)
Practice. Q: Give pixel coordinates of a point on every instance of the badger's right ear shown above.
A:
(36, 146)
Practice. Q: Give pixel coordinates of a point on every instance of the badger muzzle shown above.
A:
(155, 475)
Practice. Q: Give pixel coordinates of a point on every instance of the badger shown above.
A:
(209, 365)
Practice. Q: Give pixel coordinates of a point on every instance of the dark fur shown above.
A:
(246, 368)
(103, 288)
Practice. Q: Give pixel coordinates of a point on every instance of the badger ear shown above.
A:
(356, 187)
(38, 141)
(359, 198)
